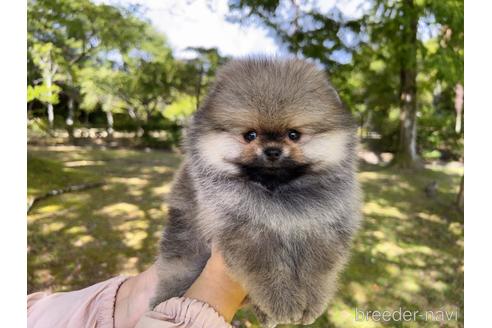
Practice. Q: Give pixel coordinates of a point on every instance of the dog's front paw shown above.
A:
(263, 318)
(311, 313)
(294, 307)
(280, 309)
(317, 302)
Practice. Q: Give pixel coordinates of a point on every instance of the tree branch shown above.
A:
(65, 190)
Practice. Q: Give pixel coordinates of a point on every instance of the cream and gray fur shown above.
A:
(284, 225)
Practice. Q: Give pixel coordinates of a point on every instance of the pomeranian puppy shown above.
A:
(269, 176)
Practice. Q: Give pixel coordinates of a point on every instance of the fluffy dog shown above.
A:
(269, 176)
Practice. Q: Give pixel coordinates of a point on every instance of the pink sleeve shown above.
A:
(89, 307)
(94, 307)
(182, 312)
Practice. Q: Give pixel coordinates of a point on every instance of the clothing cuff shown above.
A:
(107, 298)
(184, 312)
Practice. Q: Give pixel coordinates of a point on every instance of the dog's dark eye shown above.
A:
(250, 136)
(294, 135)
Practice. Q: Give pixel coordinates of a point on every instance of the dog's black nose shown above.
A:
(272, 153)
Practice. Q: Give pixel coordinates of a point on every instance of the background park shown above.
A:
(111, 86)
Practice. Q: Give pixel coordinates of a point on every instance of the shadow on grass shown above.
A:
(408, 253)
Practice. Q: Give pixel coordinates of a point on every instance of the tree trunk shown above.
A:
(148, 116)
(407, 150)
(109, 119)
(458, 106)
(51, 115)
(134, 117)
(145, 127)
(132, 114)
(460, 199)
(69, 120)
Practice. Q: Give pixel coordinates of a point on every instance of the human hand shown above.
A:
(216, 287)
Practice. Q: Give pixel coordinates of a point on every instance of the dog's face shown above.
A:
(271, 122)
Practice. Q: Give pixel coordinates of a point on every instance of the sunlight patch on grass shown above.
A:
(422, 249)
(385, 180)
(456, 170)
(456, 228)
(378, 234)
(388, 249)
(393, 270)
(135, 192)
(82, 240)
(129, 266)
(134, 233)
(52, 227)
(358, 292)
(43, 258)
(373, 208)
(134, 239)
(64, 148)
(36, 215)
(83, 163)
(134, 182)
(50, 208)
(44, 275)
(156, 214)
(120, 212)
(417, 261)
(430, 217)
(439, 286)
(162, 190)
(367, 176)
(409, 285)
(134, 225)
(77, 198)
(460, 243)
(158, 170)
(76, 230)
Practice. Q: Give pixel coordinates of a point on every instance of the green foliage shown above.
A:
(95, 88)
(181, 108)
(81, 28)
(143, 84)
(198, 73)
(43, 93)
(89, 46)
(46, 57)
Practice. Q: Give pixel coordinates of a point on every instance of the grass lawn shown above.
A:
(408, 254)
